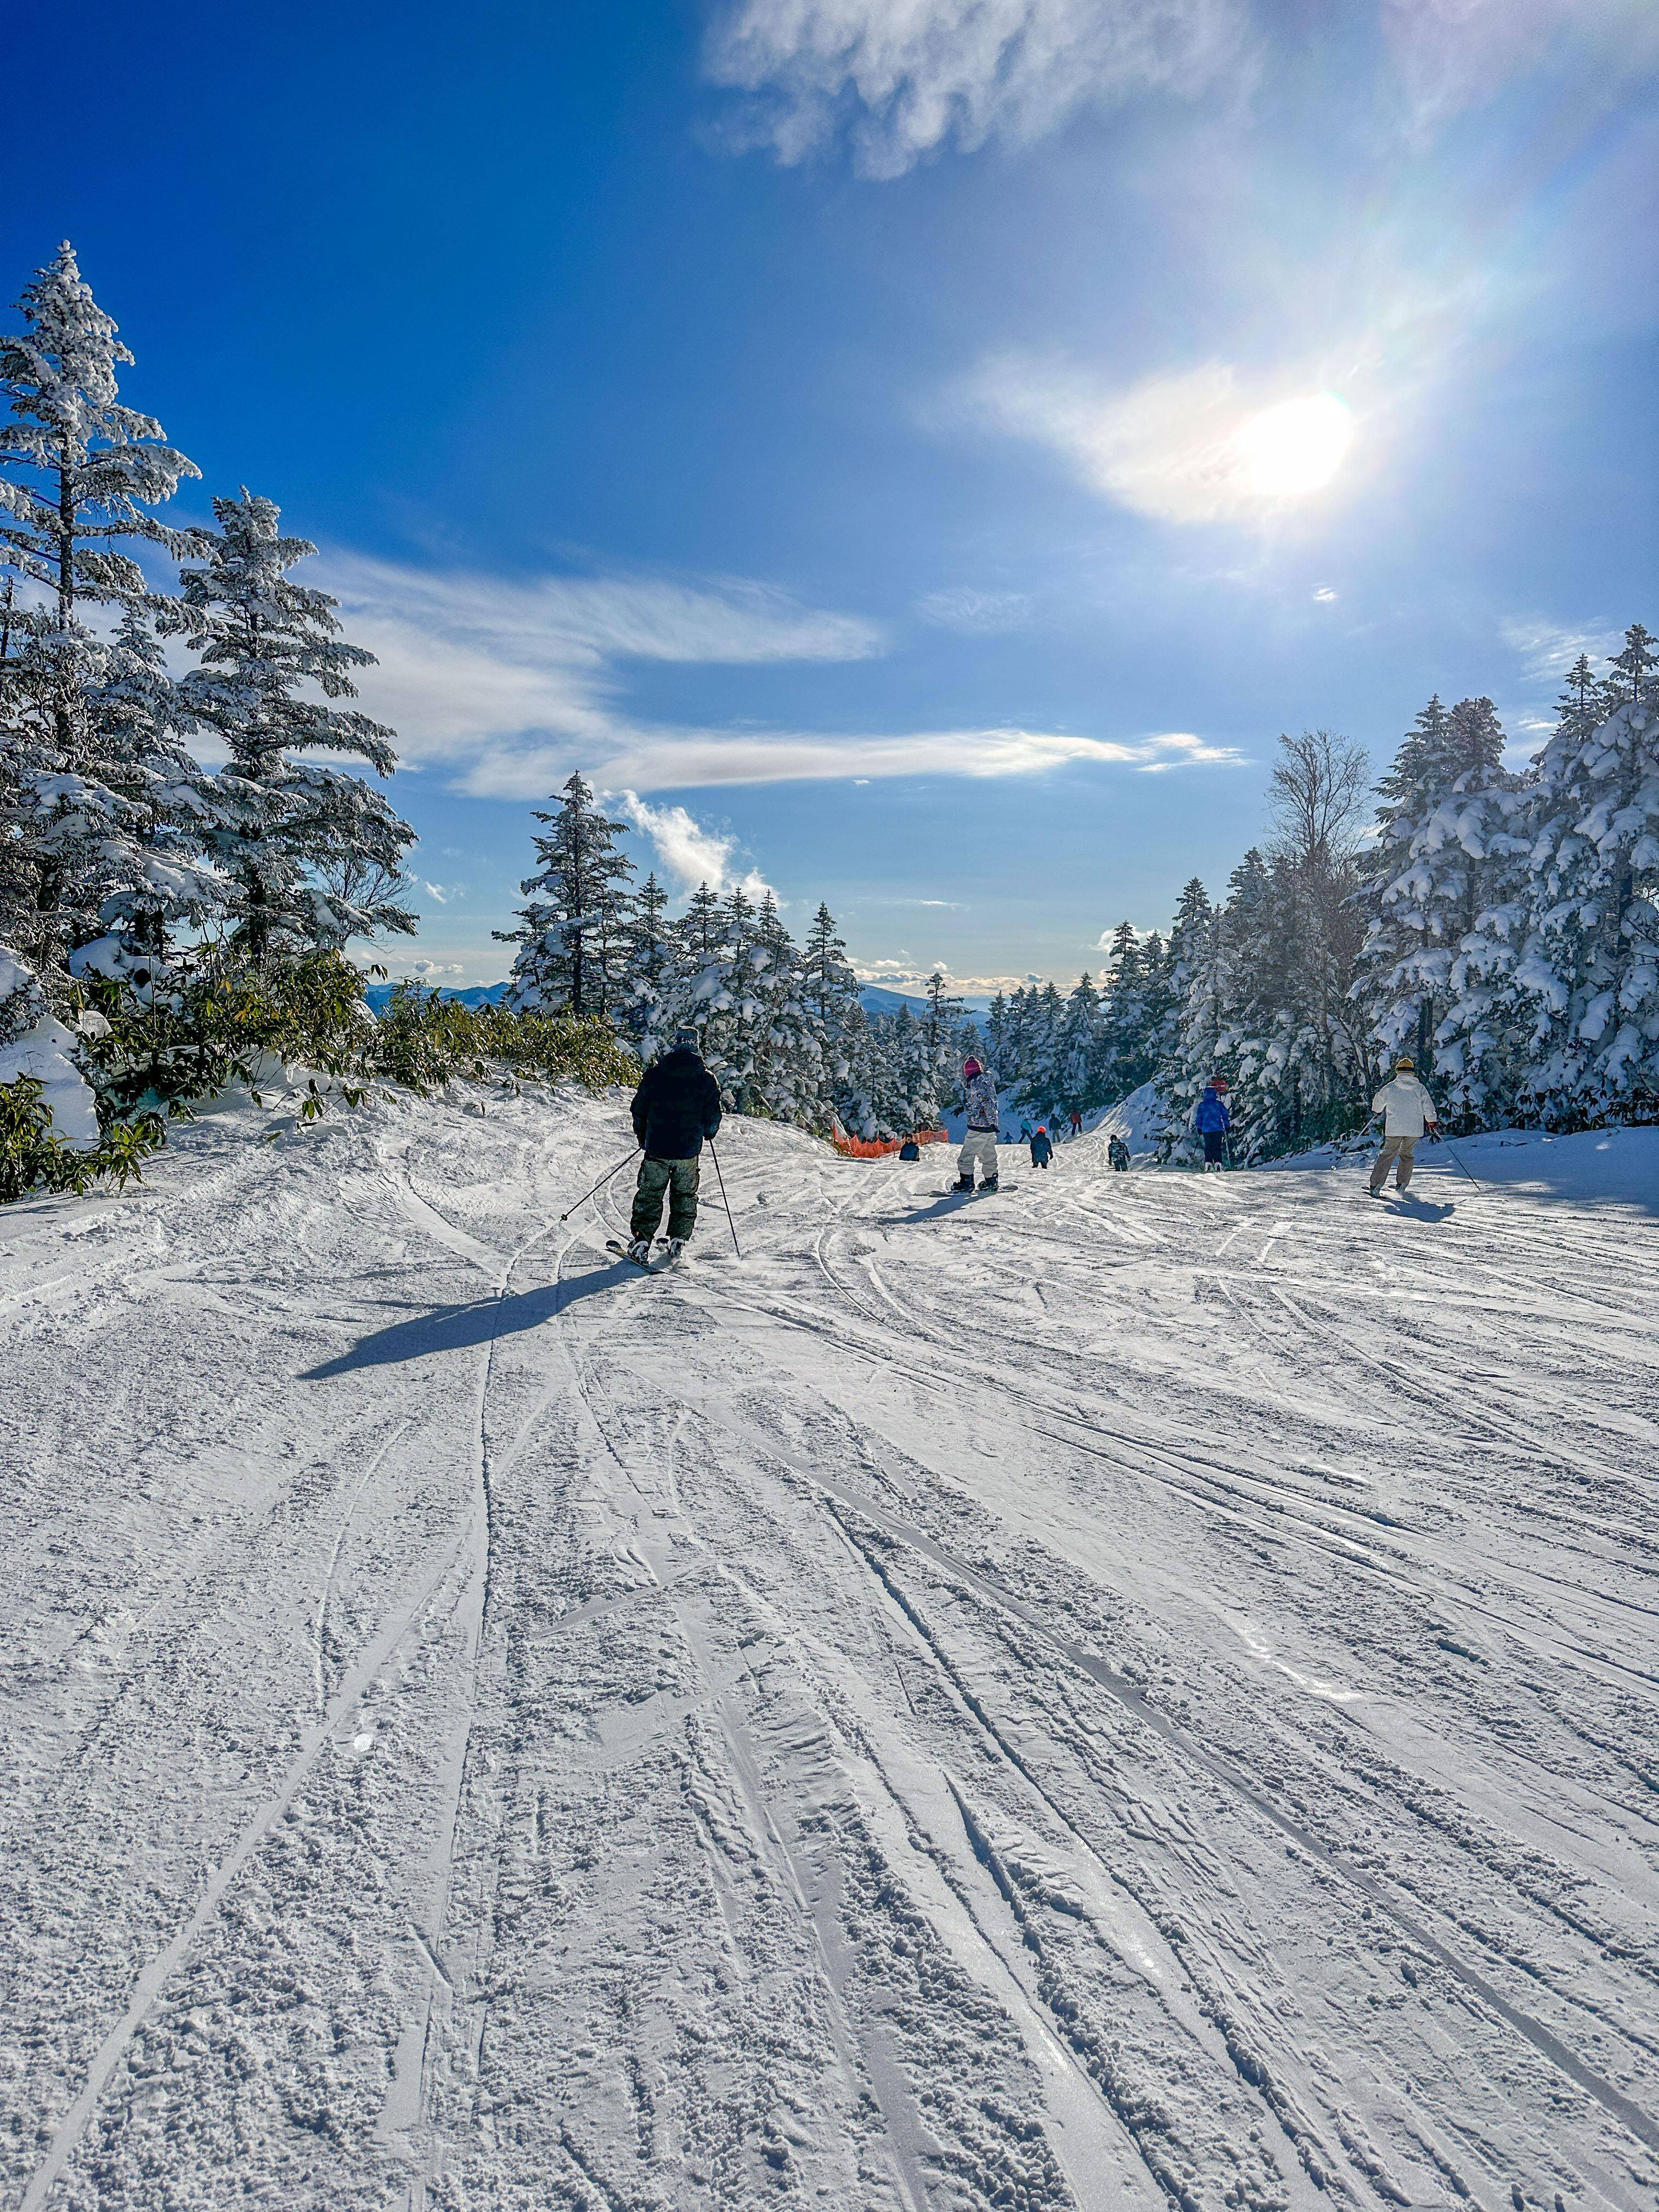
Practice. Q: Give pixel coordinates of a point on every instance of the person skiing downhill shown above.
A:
(1077, 1122)
(1042, 1150)
(979, 1146)
(1408, 1111)
(677, 1105)
(1117, 1153)
(1213, 1121)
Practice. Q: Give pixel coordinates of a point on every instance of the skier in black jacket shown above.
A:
(677, 1105)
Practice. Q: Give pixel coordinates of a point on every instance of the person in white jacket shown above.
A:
(1408, 1111)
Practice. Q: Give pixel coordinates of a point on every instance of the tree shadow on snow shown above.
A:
(453, 1328)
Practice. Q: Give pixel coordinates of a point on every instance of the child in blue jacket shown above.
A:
(1213, 1121)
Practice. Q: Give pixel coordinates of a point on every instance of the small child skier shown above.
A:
(1213, 1121)
(1042, 1150)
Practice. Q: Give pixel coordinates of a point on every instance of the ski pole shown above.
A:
(599, 1185)
(1458, 1164)
(725, 1201)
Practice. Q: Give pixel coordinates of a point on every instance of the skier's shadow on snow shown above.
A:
(951, 1203)
(1419, 1209)
(453, 1328)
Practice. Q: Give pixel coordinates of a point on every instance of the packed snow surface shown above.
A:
(1139, 1689)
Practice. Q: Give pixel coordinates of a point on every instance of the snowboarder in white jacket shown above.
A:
(1408, 1110)
(978, 1146)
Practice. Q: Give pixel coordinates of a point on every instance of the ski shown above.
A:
(614, 1244)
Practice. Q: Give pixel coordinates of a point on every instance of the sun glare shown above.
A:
(1295, 447)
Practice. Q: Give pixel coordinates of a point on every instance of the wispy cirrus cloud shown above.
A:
(509, 686)
(899, 82)
(1453, 55)
(1546, 649)
(974, 612)
(640, 758)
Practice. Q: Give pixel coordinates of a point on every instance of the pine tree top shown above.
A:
(107, 463)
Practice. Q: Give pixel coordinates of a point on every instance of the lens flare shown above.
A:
(1296, 447)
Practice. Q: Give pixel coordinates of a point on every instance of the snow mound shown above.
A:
(1140, 1120)
(44, 1053)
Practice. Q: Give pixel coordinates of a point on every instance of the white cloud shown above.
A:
(909, 977)
(510, 686)
(972, 612)
(691, 852)
(904, 970)
(1324, 596)
(904, 79)
(427, 970)
(469, 663)
(1547, 649)
(657, 760)
(1175, 447)
(443, 892)
(1457, 54)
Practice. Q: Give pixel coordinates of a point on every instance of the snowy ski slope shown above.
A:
(1140, 1689)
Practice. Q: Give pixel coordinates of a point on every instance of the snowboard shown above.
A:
(978, 1191)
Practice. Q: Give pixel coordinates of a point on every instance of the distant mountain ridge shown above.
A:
(471, 995)
(874, 997)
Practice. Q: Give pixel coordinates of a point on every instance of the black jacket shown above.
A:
(677, 1105)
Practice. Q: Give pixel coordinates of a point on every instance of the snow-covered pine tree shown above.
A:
(1632, 668)
(1237, 1016)
(1124, 1043)
(1079, 1063)
(79, 476)
(1190, 1049)
(791, 1073)
(942, 1024)
(1590, 964)
(1158, 1000)
(570, 935)
(831, 986)
(1444, 856)
(313, 855)
(650, 948)
(913, 1084)
(996, 1034)
(702, 931)
(79, 472)
(1044, 1085)
(163, 879)
(650, 959)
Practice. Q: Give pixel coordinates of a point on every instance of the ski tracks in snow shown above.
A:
(1139, 1691)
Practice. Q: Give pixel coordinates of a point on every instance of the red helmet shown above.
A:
(1217, 1083)
(970, 1068)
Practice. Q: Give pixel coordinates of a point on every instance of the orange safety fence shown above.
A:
(876, 1148)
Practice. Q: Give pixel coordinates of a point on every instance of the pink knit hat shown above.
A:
(970, 1068)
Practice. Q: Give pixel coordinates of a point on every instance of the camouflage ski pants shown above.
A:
(678, 1178)
(1402, 1149)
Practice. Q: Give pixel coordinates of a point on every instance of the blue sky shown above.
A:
(829, 422)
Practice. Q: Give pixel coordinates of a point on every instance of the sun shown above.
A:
(1296, 447)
